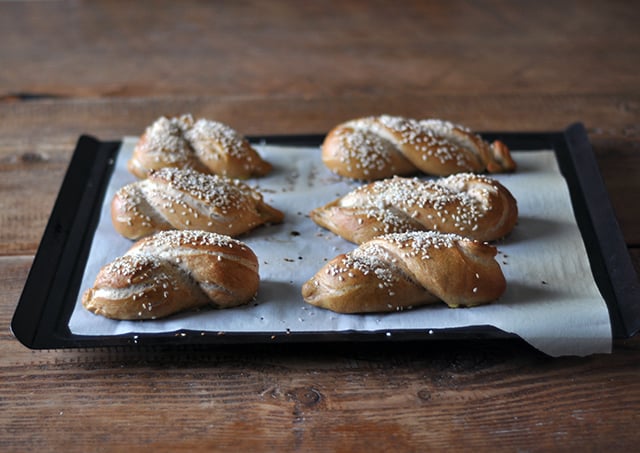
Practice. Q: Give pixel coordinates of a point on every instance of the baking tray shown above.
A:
(42, 315)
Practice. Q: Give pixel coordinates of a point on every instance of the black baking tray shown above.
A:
(47, 301)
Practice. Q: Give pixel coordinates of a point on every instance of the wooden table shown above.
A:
(108, 68)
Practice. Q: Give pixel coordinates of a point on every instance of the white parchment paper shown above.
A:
(552, 301)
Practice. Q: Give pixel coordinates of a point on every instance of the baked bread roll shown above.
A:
(379, 147)
(204, 145)
(174, 271)
(471, 205)
(404, 270)
(184, 199)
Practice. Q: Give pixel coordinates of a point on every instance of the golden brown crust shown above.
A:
(174, 271)
(184, 199)
(400, 271)
(204, 145)
(223, 151)
(471, 205)
(355, 152)
(379, 147)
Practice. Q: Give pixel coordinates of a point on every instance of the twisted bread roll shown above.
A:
(185, 199)
(204, 145)
(383, 146)
(403, 270)
(174, 271)
(471, 205)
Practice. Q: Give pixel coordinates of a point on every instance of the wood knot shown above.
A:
(424, 394)
(31, 157)
(306, 396)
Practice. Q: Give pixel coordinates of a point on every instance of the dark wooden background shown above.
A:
(109, 68)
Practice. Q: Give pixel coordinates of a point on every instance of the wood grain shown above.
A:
(281, 48)
(283, 67)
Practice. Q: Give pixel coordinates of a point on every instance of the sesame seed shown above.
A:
(397, 203)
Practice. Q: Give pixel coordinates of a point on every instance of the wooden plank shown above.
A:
(25, 124)
(481, 399)
(339, 48)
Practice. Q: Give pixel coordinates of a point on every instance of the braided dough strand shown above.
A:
(174, 271)
(184, 199)
(470, 205)
(203, 145)
(403, 270)
(379, 147)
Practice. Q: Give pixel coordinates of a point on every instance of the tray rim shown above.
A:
(41, 316)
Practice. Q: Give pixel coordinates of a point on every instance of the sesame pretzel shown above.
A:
(174, 271)
(204, 145)
(383, 146)
(403, 270)
(471, 205)
(185, 199)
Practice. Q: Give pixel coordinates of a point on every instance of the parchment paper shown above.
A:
(552, 301)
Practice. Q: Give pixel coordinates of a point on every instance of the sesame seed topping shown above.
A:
(187, 199)
(220, 192)
(195, 237)
(375, 258)
(186, 142)
(369, 146)
(205, 132)
(462, 199)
